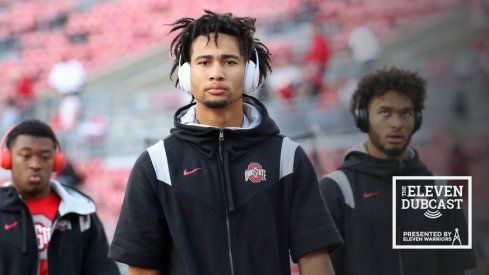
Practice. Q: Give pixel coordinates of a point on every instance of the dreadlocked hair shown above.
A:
(212, 23)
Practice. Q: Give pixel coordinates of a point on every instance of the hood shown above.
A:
(9, 198)
(237, 141)
(358, 159)
(72, 201)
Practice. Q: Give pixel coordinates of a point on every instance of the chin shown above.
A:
(216, 104)
(394, 151)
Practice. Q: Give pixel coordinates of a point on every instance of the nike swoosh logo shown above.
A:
(9, 226)
(368, 195)
(186, 173)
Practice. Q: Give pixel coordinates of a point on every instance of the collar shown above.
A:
(72, 201)
(251, 119)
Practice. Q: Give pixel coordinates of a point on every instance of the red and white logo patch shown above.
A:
(255, 173)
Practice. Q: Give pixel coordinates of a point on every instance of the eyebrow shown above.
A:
(224, 56)
(391, 108)
(31, 149)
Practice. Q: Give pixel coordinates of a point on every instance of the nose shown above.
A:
(35, 163)
(216, 72)
(396, 121)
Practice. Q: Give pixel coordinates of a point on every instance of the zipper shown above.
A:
(35, 234)
(221, 140)
(401, 268)
(401, 166)
(51, 231)
(228, 225)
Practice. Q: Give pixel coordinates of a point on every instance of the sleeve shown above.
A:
(311, 225)
(95, 259)
(335, 201)
(333, 197)
(141, 235)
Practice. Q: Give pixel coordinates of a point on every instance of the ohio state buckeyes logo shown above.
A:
(255, 173)
(42, 227)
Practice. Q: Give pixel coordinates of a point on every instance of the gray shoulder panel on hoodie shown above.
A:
(343, 183)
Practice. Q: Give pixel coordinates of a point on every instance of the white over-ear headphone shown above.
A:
(251, 75)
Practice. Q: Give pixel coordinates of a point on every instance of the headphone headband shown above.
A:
(4, 138)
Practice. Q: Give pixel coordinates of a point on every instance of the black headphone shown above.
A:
(361, 118)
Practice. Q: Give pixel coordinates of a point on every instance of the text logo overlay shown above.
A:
(432, 212)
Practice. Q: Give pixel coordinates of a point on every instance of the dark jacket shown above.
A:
(222, 201)
(78, 242)
(365, 220)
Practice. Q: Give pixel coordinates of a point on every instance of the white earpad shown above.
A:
(184, 77)
(252, 75)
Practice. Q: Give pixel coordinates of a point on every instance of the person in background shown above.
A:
(46, 227)
(365, 49)
(316, 61)
(24, 93)
(11, 115)
(387, 105)
(69, 175)
(225, 193)
(67, 78)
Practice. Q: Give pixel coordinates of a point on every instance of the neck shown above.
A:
(230, 116)
(34, 196)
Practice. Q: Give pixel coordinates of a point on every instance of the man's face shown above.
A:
(217, 71)
(32, 165)
(391, 118)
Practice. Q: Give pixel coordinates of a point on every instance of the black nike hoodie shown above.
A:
(222, 201)
(78, 244)
(366, 224)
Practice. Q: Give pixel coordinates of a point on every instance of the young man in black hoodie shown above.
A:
(46, 227)
(225, 193)
(387, 105)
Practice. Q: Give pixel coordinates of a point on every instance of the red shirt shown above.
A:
(24, 89)
(319, 51)
(43, 212)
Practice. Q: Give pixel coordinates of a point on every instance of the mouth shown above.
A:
(395, 139)
(35, 178)
(216, 90)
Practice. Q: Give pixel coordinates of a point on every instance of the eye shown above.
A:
(46, 157)
(407, 114)
(231, 62)
(384, 112)
(203, 63)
